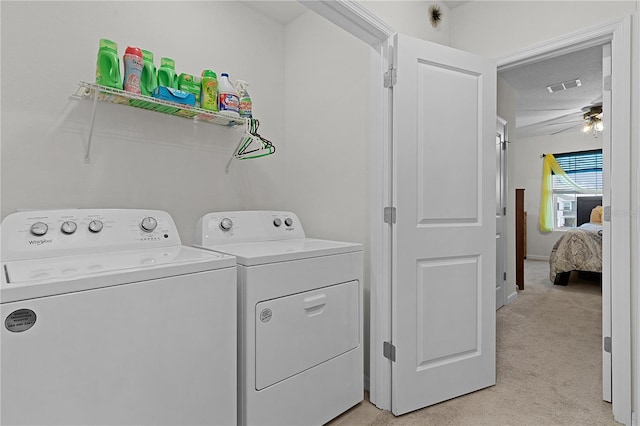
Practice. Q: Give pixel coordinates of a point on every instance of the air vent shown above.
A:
(564, 86)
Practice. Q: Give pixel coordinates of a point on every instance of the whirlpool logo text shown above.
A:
(39, 242)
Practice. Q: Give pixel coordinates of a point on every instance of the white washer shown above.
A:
(108, 319)
(299, 317)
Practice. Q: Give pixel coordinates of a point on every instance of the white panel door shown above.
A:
(444, 259)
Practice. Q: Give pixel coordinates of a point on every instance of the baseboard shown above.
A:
(366, 383)
(534, 257)
(512, 297)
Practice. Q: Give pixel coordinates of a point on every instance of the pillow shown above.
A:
(596, 215)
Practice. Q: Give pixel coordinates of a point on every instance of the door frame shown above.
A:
(618, 33)
(366, 26)
(501, 243)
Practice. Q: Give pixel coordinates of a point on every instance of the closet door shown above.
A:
(444, 256)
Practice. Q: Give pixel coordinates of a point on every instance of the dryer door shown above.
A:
(297, 332)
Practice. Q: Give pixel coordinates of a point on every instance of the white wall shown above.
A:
(139, 158)
(527, 165)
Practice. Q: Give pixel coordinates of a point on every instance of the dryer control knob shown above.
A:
(38, 229)
(277, 222)
(226, 224)
(95, 226)
(288, 221)
(68, 227)
(148, 224)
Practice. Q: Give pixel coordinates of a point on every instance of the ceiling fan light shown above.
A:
(586, 127)
(599, 126)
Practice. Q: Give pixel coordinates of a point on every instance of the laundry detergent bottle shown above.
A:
(244, 105)
(167, 73)
(133, 64)
(108, 65)
(209, 91)
(228, 95)
(149, 76)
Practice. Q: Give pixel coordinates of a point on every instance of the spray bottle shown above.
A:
(245, 100)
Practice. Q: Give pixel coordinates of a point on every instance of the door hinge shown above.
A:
(504, 276)
(389, 215)
(606, 213)
(607, 83)
(504, 211)
(389, 351)
(504, 145)
(390, 77)
(607, 344)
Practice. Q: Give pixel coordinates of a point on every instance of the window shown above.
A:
(585, 168)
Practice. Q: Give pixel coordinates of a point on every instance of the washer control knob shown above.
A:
(288, 221)
(95, 226)
(68, 227)
(38, 229)
(277, 222)
(148, 224)
(226, 224)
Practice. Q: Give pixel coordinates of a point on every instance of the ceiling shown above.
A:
(454, 4)
(281, 11)
(539, 112)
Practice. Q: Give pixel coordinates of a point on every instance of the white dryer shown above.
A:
(299, 317)
(108, 319)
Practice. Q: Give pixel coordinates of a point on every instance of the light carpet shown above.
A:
(549, 364)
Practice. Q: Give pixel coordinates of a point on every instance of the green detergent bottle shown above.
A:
(167, 73)
(149, 77)
(209, 91)
(108, 65)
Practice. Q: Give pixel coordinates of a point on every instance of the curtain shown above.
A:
(550, 167)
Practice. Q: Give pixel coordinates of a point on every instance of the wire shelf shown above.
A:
(87, 91)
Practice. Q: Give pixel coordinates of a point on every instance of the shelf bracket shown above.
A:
(87, 147)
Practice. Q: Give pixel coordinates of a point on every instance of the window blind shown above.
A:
(584, 167)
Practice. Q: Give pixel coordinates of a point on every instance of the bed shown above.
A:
(579, 249)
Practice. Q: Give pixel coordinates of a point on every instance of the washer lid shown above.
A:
(24, 279)
(262, 252)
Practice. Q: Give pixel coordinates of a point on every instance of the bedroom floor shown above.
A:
(548, 364)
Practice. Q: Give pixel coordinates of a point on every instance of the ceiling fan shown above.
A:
(591, 120)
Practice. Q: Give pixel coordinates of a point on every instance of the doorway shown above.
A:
(553, 97)
(617, 33)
